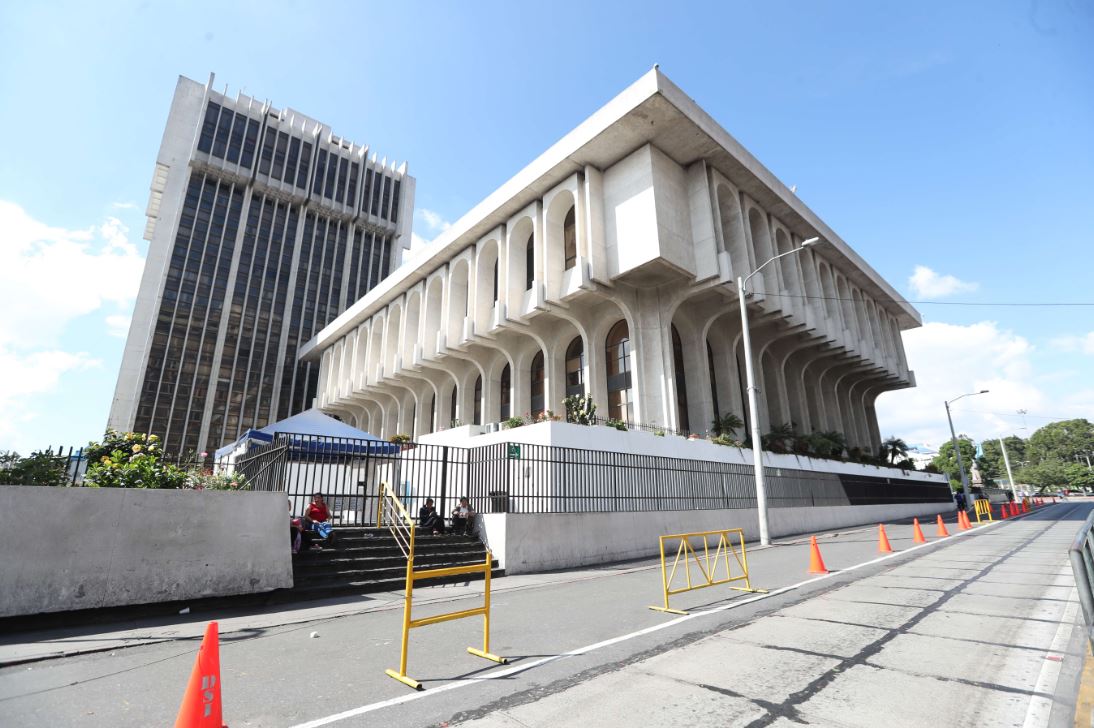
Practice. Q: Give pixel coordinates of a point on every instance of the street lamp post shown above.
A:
(1010, 475)
(753, 414)
(953, 439)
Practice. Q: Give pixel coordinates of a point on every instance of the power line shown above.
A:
(940, 303)
(1012, 414)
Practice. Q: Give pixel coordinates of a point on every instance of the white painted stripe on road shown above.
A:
(1040, 707)
(517, 669)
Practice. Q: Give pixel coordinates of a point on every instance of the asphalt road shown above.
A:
(957, 632)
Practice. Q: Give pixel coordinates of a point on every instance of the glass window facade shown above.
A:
(538, 376)
(617, 353)
(251, 278)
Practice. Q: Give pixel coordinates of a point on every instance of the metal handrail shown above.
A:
(1081, 555)
(402, 525)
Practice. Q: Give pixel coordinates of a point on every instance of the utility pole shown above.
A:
(1010, 475)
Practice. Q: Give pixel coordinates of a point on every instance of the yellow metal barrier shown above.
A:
(402, 527)
(983, 508)
(708, 563)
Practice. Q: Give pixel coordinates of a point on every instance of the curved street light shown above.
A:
(753, 415)
(953, 439)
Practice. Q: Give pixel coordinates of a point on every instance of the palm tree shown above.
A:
(893, 448)
(780, 439)
(727, 425)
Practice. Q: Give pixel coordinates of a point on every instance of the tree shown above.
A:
(780, 439)
(727, 425)
(41, 468)
(894, 448)
(1063, 441)
(991, 462)
(946, 460)
(1056, 474)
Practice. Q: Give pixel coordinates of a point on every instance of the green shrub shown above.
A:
(580, 409)
(41, 468)
(617, 424)
(198, 480)
(514, 422)
(130, 460)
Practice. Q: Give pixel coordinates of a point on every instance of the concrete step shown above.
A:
(336, 563)
(323, 591)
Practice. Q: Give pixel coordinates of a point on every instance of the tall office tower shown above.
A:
(263, 226)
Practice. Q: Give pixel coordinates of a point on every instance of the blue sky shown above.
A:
(956, 139)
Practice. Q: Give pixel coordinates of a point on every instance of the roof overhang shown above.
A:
(652, 110)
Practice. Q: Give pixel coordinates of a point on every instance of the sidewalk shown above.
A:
(36, 645)
(975, 637)
(560, 631)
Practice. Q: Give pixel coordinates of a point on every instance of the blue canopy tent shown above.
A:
(312, 433)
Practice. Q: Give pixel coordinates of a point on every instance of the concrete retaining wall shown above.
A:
(80, 548)
(525, 543)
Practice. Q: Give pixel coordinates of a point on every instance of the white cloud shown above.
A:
(118, 325)
(24, 378)
(929, 284)
(950, 360)
(1072, 344)
(50, 276)
(124, 205)
(433, 221)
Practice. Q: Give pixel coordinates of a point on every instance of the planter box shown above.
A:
(81, 548)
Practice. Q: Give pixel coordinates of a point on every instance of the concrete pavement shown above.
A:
(967, 621)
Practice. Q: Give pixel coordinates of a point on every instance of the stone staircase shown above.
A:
(365, 560)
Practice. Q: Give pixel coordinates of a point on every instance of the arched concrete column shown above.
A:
(816, 376)
(457, 288)
(412, 323)
(692, 319)
(596, 319)
(729, 226)
(759, 237)
(433, 322)
(556, 205)
(392, 339)
(722, 332)
(360, 358)
(487, 255)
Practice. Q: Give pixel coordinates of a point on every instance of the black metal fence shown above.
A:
(523, 478)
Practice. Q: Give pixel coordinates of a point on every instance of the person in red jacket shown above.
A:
(317, 510)
(317, 518)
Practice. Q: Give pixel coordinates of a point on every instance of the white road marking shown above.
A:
(1040, 707)
(517, 669)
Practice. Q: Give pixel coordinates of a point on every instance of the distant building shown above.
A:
(922, 455)
(263, 227)
(608, 267)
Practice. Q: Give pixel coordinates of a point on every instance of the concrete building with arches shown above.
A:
(608, 267)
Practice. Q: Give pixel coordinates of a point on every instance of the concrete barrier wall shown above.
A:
(526, 543)
(80, 548)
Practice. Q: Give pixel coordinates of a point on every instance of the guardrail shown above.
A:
(708, 564)
(982, 508)
(1081, 555)
(403, 528)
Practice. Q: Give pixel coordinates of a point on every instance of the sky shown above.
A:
(951, 144)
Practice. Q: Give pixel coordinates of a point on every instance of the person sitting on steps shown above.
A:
(463, 518)
(429, 520)
(317, 520)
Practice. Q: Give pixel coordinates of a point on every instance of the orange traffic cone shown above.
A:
(1004, 512)
(1025, 507)
(816, 563)
(883, 546)
(917, 532)
(201, 702)
(942, 532)
(963, 521)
